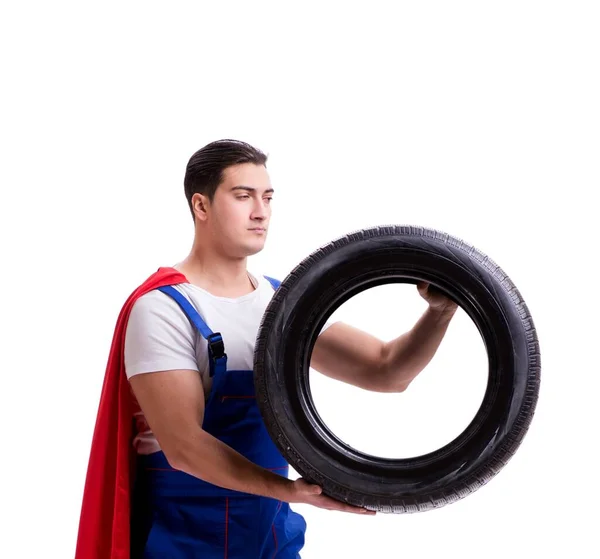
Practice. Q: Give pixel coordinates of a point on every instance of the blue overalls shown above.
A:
(176, 515)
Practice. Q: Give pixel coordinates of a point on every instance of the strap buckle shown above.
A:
(216, 347)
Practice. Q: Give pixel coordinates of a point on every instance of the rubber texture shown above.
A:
(362, 260)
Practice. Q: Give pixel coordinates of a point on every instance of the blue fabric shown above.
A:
(189, 310)
(179, 516)
(274, 282)
(216, 363)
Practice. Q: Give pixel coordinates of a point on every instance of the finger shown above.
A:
(312, 489)
(357, 510)
(333, 504)
(309, 488)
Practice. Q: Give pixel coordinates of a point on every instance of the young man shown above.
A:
(208, 480)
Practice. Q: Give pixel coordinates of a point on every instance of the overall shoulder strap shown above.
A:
(274, 282)
(216, 347)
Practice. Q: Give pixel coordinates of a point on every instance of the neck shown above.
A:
(208, 268)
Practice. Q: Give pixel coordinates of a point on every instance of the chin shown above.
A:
(250, 249)
(255, 250)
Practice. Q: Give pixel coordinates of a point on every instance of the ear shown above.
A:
(200, 206)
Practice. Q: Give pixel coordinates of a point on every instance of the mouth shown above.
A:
(258, 229)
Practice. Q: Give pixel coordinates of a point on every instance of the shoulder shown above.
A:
(153, 302)
(158, 336)
(156, 311)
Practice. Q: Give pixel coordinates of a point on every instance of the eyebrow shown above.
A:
(251, 189)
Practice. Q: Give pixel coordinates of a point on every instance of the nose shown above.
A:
(260, 211)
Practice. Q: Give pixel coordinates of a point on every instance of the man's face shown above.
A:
(241, 209)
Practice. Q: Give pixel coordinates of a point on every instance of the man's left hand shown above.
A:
(436, 299)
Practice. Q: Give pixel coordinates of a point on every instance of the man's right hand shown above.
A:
(307, 493)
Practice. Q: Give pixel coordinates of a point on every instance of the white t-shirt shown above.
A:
(160, 337)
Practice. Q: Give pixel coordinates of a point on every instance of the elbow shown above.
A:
(177, 460)
(391, 381)
(181, 452)
(394, 385)
(402, 386)
(176, 456)
(390, 378)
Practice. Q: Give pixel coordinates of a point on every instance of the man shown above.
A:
(208, 480)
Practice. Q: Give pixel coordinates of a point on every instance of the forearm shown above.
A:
(211, 460)
(406, 356)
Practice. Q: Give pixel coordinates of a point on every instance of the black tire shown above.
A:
(338, 271)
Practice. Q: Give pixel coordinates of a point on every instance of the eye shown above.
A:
(243, 197)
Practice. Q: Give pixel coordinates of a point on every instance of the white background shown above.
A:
(475, 118)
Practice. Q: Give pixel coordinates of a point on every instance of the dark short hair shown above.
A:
(204, 171)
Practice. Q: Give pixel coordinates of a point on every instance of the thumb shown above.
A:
(314, 489)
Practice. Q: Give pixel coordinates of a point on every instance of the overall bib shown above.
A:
(178, 516)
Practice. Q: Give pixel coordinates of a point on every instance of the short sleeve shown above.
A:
(158, 337)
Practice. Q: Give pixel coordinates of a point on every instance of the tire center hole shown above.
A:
(437, 405)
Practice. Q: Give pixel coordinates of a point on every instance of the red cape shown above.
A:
(104, 526)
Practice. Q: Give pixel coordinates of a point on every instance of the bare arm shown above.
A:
(173, 404)
(405, 357)
(346, 353)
